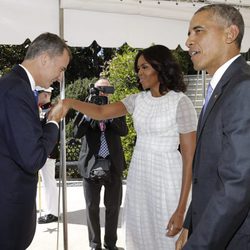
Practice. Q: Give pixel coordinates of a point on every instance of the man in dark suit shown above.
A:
(219, 215)
(91, 151)
(24, 143)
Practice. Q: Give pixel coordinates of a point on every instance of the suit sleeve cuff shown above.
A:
(54, 123)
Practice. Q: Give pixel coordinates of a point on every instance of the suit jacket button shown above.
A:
(195, 181)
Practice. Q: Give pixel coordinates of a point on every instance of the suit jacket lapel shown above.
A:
(22, 74)
(216, 94)
(218, 91)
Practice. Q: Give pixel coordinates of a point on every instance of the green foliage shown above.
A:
(69, 129)
(88, 61)
(73, 147)
(11, 55)
(181, 56)
(120, 69)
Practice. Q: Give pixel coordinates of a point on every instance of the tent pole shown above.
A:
(62, 142)
(61, 22)
(203, 75)
(64, 172)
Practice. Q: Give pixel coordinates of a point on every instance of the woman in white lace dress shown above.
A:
(159, 177)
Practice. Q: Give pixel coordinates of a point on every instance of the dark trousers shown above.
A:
(112, 202)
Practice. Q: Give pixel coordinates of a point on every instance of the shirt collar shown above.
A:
(31, 79)
(220, 71)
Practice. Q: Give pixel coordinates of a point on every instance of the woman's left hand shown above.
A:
(175, 224)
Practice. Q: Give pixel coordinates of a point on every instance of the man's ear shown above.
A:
(232, 33)
(43, 58)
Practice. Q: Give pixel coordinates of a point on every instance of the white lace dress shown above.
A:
(155, 173)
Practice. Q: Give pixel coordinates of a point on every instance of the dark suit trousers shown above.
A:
(112, 202)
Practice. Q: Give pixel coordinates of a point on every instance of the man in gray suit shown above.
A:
(219, 215)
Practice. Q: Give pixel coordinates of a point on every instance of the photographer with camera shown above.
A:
(101, 163)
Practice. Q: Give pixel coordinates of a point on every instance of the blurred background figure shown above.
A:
(50, 189)
(101, 143)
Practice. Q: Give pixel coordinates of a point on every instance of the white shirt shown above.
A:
(33, 85)
(31, 79)
(220, 71)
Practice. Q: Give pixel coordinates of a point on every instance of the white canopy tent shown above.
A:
(109, 22)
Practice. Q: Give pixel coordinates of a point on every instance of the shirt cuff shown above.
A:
(53, 122)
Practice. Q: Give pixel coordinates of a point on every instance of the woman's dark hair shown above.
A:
(169, 72)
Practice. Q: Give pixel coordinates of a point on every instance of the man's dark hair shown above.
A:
(229, 15)
(47, 42)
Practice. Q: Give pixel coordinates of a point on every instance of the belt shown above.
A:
(100, 157)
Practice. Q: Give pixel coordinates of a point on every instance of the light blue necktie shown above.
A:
(208, 95)
(103, 151)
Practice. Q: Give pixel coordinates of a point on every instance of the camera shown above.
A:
(94, 92)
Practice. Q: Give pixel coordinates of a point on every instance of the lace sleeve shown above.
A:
(129, 103)
(186, 117)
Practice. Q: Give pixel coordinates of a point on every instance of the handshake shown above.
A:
(58, 111)
(61, 108)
